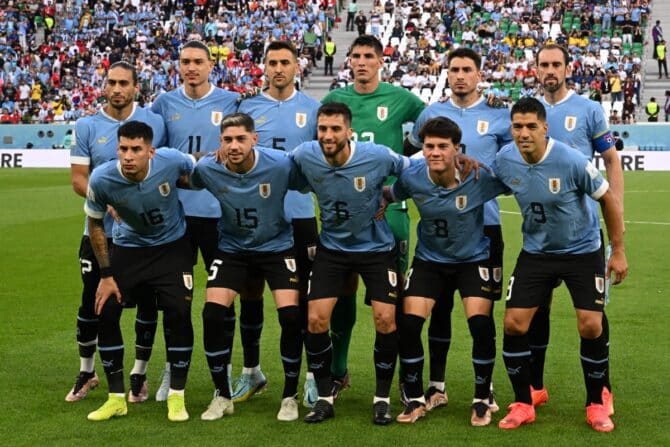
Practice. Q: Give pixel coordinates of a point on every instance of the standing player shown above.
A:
(150, 252)
(254, 238)
(192, 114)
(96, 143)
(347, 178)
(485, 131)
(379, 110)
(452, 253)
(581, 124)
(553, 185)
(284, 117)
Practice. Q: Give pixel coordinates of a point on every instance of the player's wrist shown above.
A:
(106, 272)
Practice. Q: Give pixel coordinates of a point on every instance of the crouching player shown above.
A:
(149, 252)
(451, 255)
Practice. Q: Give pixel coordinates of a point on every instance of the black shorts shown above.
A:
(232, 270)
(332, 268)
(202, 233)
(535, 275)
(495, 261)
(437, 280)
(90, 273)
(305, 239)
(166, 269)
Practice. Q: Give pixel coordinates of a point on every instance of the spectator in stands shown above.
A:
(652, 110)
(656, 36)
(614, 117)
(628, 111)
(361, 22)
(616, 91)
(408, 80)
(661, 56)
(666, 106)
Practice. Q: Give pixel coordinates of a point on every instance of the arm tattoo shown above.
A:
(96, 230)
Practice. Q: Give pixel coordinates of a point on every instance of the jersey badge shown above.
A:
(264, 190)
(393, 278)
(600, 284)
(359, 184)
(188, 280)
(300, 119)
(175, 117)
(290, 264)
(216, 117)
(261, 120)
(555, 185)
(382, 113)
(102, 140)
(164, 189)
(461, 202)
(482, 127)
(484, 273)
(570, 123)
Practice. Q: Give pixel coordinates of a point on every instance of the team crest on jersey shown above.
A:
(393, 278)
(570, 123)
(164, 189)
(600, 283)
(290, 264)
(359, 184)
(264, 190)
(461, 202)
(216, 117)
(484, 273)
(300, 119)
(101, 140)
(188, 280)
(555, 185)
(482, 127)
(382, 113)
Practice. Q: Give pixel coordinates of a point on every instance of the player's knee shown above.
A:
(515, 324)
(590, 326)
(316, 323)
(384, 319)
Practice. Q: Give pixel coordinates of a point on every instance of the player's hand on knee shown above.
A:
(106, 289)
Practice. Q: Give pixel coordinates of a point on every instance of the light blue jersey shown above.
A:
(451, 229)
(581, 124)
(485, 130)
(193, 126)
(349, 195)
(252, 204)
(284, 125)
(96, 142)
(150, 211)
(553, 195)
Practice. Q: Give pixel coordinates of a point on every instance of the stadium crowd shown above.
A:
(606, 41)
(54, 56)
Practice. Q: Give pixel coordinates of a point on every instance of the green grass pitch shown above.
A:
(40, 228)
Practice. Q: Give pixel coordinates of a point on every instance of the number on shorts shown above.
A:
(214, 269)
(86, 266)
(509, 288)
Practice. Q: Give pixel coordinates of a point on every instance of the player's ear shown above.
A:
(350, 133)
(152, 151)
(254, 138)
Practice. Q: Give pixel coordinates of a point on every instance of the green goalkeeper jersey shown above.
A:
(378, 116)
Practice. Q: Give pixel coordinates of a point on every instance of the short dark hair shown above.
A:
(529, 105)
(238, 120)
(125, 66)
(335, 108)
(368, 41)
(281, 45)
(554, 46)
(136, 129)
(199, 45)
(441, 127)
(468, 53)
